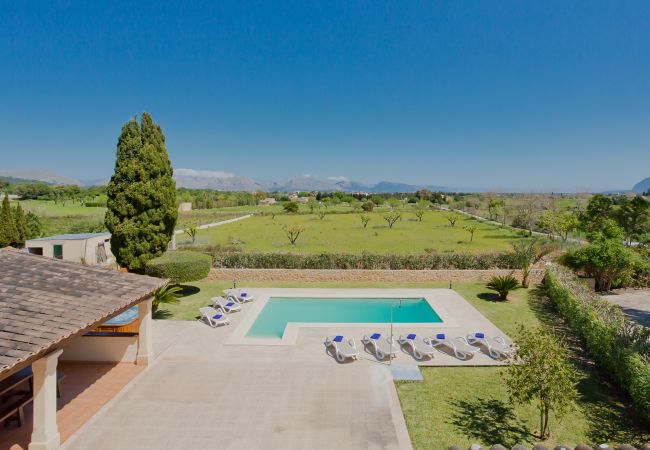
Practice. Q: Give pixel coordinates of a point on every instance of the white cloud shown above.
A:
(203, 173)
(338, 178)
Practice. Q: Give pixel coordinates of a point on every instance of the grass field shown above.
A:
(463, 405)
(345, 233)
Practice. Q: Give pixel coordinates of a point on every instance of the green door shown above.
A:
(58, 251)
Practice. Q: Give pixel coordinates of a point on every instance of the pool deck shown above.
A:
(206, 391)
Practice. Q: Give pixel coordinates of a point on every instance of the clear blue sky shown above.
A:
(490, 94)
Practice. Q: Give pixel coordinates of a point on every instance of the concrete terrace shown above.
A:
(207, 392)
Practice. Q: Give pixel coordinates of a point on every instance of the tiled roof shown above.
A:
(44, 302)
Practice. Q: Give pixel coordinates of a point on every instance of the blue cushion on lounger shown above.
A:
(338, 339)
(229, 304)
(243, 294)
(217, 316)
(479, 335)
(375, 336)
(410, 336)
(440, 336)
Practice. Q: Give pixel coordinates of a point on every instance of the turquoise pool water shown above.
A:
(279, 311)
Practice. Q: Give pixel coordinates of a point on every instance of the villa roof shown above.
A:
(45, 302)
(72, 237)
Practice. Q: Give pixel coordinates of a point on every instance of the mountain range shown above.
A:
(224, 181)
(206, 179)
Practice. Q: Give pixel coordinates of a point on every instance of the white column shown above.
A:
(45, 435)
(145, 347)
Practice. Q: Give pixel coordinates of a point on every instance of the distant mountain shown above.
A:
(224, 181)
(43, 176)
(642, 186)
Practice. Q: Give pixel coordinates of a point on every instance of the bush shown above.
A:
(291, 207)
(503, 285)
(180, 267)
(619, 347)
(368, 206)
(363, 261)
(95, 204)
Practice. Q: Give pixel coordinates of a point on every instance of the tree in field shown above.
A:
(599, 209)
(21, 224)
(558, 223)
(290, 207)
(529, 252)
(542, 376)
(391, 218)
(368, 206)
(8, 231)
(293, 232)
(142, 209)
(420, 209)
(312, 204)
(321, 214)
(452, 219)
(471, 229)
(364, 220)
(393, 203)
(191, 231)
(634, 217)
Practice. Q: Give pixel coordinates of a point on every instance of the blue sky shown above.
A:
(496, 95)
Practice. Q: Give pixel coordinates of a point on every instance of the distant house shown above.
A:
(89, 248)
(267, 201)
(185, 206)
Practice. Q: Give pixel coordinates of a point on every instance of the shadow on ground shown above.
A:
(490, 297)
(489, 420)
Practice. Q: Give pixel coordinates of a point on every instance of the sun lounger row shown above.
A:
(421, 347)
(232, 300)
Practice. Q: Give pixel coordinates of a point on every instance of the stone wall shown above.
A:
(352, 275)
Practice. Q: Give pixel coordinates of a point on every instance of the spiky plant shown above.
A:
(503, 285)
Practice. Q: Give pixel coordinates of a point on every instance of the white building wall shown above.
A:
(102, 348)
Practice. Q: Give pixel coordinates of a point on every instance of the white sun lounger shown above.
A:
(419, 346)
(342, 349)
(213, 317)
(496, 346)
(459, 345)
(382, 347)
(238, 295)
(225, 305)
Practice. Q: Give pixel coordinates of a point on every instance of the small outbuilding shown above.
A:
(93, 249)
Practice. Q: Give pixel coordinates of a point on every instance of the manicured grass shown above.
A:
(345, 233)
(463, 405)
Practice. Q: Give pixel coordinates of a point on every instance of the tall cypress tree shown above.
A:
(21, 225)
(8, 232)
(142, 209)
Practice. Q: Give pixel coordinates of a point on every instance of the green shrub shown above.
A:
(180, 267)
(503, 285)
(291, 207)
(95, 204)
(618, 346)
(363, 261)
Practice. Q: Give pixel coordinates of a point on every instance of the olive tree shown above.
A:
(391, 218)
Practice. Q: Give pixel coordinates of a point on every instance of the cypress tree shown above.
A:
(8, 232)
(142, 209)
(21, 225)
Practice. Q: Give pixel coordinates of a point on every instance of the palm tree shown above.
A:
(503, 285)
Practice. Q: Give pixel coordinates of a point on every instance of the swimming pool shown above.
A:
(279, 311)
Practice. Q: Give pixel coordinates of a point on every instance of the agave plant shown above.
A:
(166, 294)
(503, 285)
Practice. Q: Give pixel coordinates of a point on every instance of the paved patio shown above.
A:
(204, 391)
(86, 388)
(634, 303)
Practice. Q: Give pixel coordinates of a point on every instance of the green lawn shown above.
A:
(345, 233)
(470, 404)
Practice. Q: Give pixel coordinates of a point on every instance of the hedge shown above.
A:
(180, 267)
(619, 347)
(422, 261)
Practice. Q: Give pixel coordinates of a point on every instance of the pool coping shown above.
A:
(292, 330)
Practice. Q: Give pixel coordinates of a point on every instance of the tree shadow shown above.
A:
(162, 314)
(489, 420)
(187, 290)
(490, 297)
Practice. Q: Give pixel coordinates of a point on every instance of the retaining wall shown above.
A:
(351, 275)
